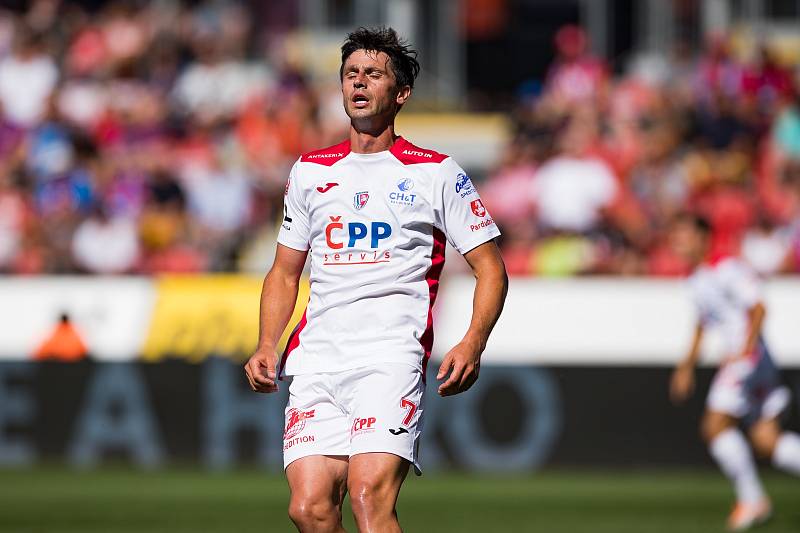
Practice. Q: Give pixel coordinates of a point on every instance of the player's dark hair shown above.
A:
(702, 224)
(402, 58)
(698, 222)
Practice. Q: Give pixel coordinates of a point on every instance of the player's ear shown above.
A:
(403, 94)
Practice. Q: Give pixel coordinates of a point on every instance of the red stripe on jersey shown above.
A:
(432, 277)
(716, 257)
(328, 156)
(408, 154)
(292, 343)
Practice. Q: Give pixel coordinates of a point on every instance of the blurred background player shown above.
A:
(746, 389)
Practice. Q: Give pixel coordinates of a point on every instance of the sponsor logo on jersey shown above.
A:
(328, 186)
(418, 153)
(405, 184)
(482, 224)
(360, 199)
(296, 422)
(287, 220)
(398, 431)
(464, 185)
(363, 425)
(325, 156)
(403, 196)
(477, 208)
(342, 236)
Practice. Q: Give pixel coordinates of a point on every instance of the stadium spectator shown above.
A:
(106, 244)
(13, 211)
(28, 77)
(98, 104)
(575, 76)
(572, 189)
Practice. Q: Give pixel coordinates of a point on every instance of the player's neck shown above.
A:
(369, 141)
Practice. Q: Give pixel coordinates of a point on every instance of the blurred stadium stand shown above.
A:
(144, 149)
(148, 137)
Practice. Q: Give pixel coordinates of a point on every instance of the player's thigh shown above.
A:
(729, 395)
(764, 435)
(374, 479)
(386, 406)
(715, 422)
(314, 425)
(318, 479)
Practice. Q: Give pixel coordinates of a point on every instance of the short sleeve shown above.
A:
(294, 231)
(459, 211)
(695, 285)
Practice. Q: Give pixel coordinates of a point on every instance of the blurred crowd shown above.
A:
(156, 137)
(602, 167)
(148, 137)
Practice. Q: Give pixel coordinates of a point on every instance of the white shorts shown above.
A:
(369, 409)
(749, 390)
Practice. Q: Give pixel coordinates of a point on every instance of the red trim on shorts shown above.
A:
(292, 343)
(432, 277)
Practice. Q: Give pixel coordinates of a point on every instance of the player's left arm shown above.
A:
(755, 316)
(462, 362)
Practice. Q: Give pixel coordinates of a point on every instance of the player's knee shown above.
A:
(763, 442)
(711, 426)
(370, 496)
(311, 513)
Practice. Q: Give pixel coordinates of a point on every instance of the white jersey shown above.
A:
(375, 226)
(724, 292)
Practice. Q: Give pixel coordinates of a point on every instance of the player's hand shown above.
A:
(260, 371)
(682, 384)
(463, 364)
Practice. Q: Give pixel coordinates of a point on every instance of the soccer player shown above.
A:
(373, 212)
(746, 390)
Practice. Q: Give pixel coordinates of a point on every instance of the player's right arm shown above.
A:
(279, 292)
(682, 384)
(278, 297)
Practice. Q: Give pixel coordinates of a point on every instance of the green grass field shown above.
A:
(116, 501)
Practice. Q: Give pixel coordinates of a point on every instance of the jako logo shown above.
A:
(362, 424)
(377, 231)
(328, 186)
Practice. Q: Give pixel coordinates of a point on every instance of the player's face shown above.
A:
(688, 241)
(369, 87)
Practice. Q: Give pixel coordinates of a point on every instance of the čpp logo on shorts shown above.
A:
(296, 422)
(363, 425)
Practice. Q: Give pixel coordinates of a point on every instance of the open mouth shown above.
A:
(360, 100)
